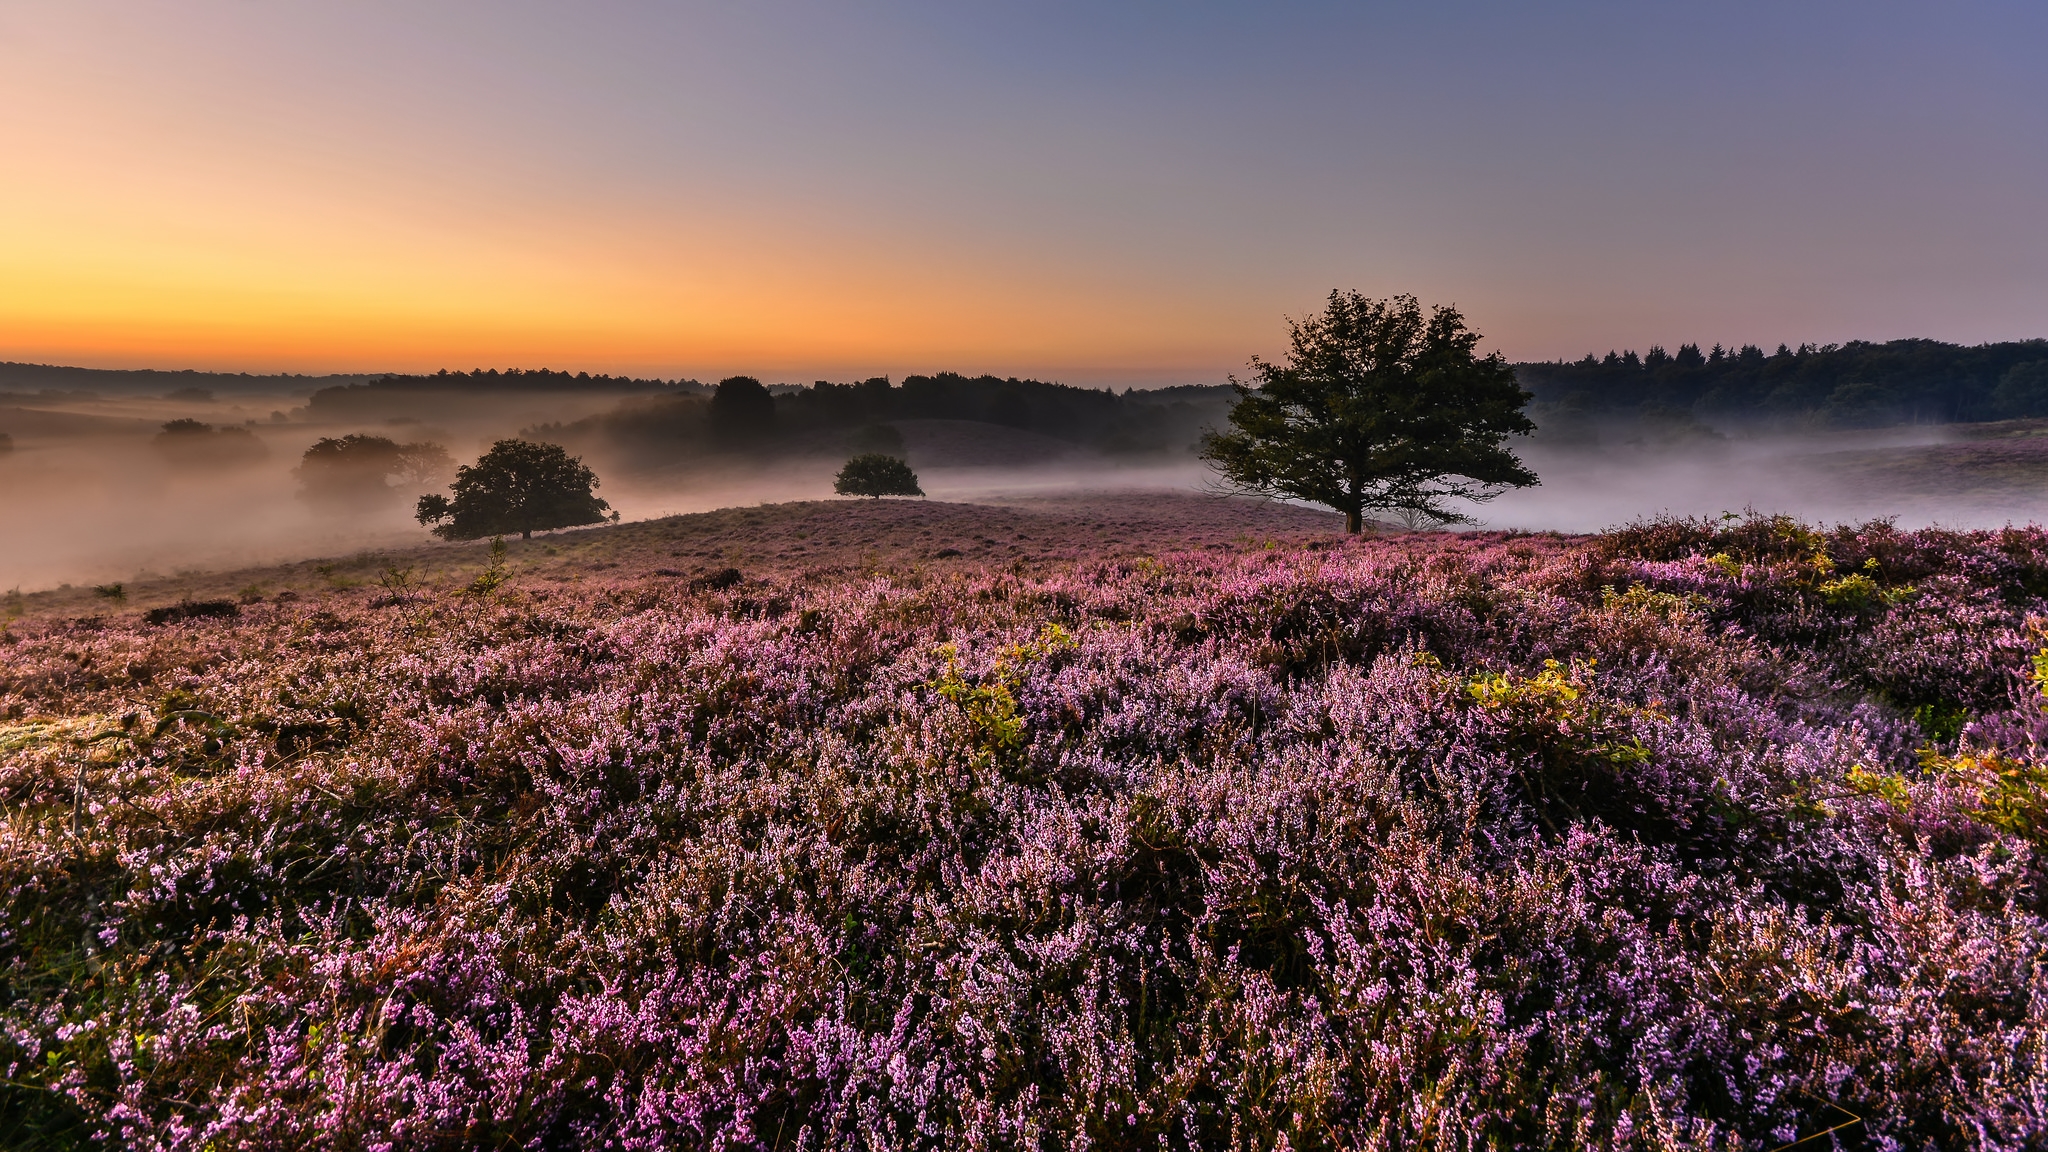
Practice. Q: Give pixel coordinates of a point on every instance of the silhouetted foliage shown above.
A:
(648, 429)
(359, 470)
(517, 486)
(743, 407)
(56, 380)
(427, 394)
(1377, 409)
(875, 474)
(655, 430)
(195, 444)
(1854, 384)
(1009, 407)
(193, 610)
(2023, 390)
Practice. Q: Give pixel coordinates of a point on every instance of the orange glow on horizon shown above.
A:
(134, 253)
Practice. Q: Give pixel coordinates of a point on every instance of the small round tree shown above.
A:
(876, 474)
(520, 487)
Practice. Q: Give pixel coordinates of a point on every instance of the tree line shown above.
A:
(1378, 408)
(375, 396)
(1858, 384)
(742, 414)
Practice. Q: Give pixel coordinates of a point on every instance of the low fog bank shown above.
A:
(93, 492)
(112, 502)
(106, 510)
(1958, 476)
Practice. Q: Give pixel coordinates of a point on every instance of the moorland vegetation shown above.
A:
(1705, 835)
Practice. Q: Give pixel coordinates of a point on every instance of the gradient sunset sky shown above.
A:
(1097, 193)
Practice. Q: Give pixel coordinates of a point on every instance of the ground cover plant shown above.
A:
(1707, 835)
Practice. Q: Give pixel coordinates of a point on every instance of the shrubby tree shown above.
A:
(1377, 409)
(196, 444)
(742, 406)
(358, 470)
(518, 486)
(876, 474)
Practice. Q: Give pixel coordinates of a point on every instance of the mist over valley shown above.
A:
(97, 492)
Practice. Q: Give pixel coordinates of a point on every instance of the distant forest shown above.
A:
(348, 401)
(1859, 384)
(1656, 395)
(742, 414)
(28, 378)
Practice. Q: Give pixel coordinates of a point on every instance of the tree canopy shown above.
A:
(1860, 383)
(658, 429)
(1377, 409)
(742, 406)
(876, 474)
(196, 444)
(518, 486)
(357, 470)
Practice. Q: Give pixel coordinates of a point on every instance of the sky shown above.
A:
(1121, 194)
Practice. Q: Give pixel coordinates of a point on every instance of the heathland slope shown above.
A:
(822, 537)
(1681, 836)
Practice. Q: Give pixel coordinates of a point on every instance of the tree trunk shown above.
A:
(526, 534)
(1354, 521)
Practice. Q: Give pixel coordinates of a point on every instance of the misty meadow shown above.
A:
(1094, 813)
(900, 577)
(1686, 835)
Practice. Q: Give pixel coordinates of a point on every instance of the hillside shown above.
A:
(1139, 823)
(825, 538)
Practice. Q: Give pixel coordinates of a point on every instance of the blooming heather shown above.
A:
(1685, 836)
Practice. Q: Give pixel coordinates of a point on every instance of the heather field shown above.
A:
(1136, 824)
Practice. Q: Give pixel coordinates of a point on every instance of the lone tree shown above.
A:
(876, 474)
(516, 487)
(1377, 408)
